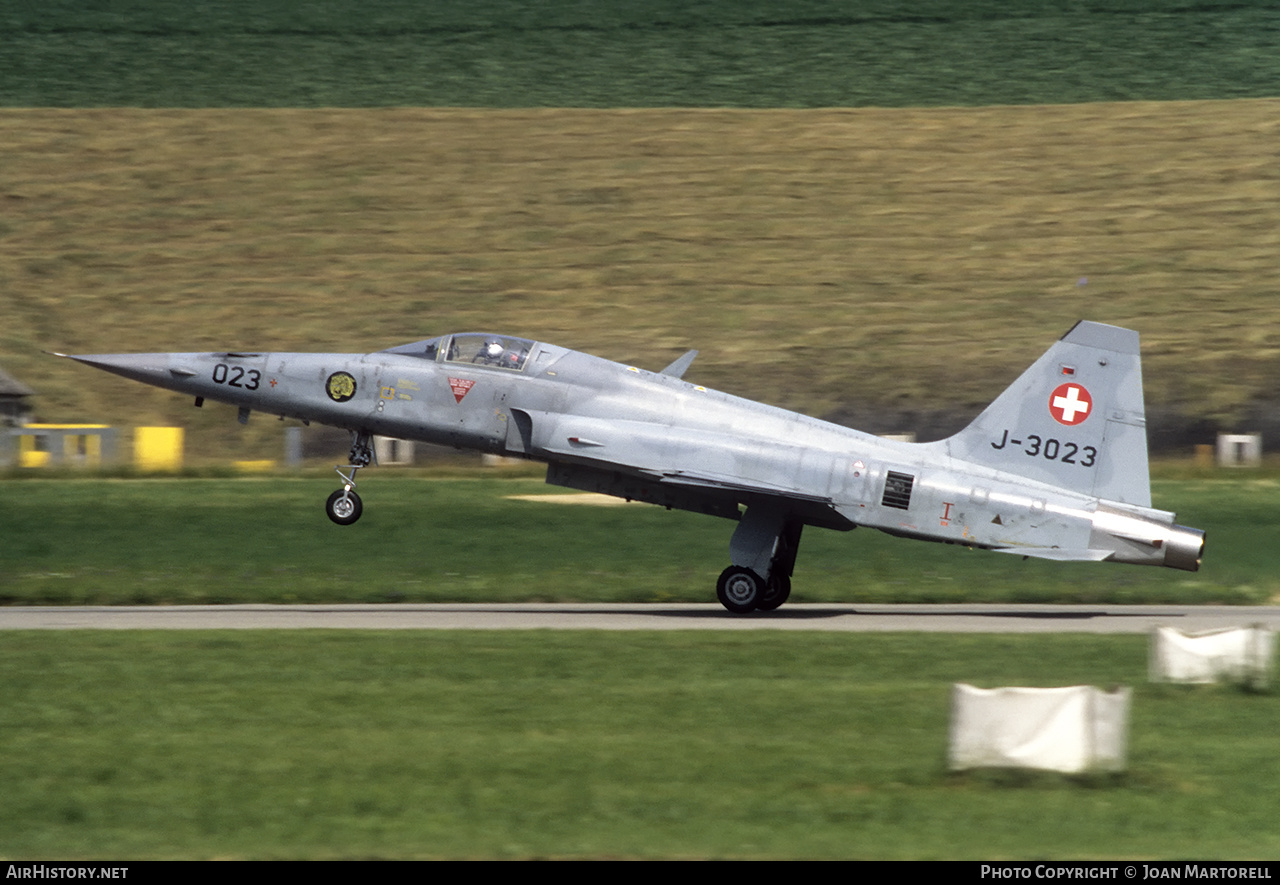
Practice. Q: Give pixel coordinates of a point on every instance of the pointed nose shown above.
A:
(149, 368)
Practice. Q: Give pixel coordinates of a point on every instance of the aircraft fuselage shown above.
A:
(1037, 473)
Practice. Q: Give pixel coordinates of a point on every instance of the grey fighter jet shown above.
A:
(1055, 468)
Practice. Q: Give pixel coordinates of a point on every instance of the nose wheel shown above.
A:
(344, 506)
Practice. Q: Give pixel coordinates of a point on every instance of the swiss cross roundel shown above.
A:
(1070, 404)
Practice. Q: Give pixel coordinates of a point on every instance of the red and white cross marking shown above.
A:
(1070, 404)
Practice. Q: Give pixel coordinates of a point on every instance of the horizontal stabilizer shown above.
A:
(1058, 554)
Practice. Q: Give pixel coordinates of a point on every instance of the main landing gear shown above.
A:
(344, 506)
(763, 550)
(741, 590)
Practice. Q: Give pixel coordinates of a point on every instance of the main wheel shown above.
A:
(775, 592)
(344, 507)
(739, 589)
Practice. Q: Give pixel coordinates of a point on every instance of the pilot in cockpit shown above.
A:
(490, 353)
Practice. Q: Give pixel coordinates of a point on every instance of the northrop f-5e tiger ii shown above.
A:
(1055, 468)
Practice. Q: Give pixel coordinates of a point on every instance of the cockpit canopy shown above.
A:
(472, 348)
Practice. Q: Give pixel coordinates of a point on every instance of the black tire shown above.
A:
(775, 593)
(344, 507)
(739, 589)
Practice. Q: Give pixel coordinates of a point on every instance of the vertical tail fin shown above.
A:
(1075, 419)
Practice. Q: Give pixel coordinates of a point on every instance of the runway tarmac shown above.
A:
(971, 618)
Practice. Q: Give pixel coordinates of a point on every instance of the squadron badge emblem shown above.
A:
(340, 387)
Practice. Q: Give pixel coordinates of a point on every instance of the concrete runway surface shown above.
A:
(972, 618)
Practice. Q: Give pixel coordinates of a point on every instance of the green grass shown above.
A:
(102, 541)
(506, 53)
(561, 744)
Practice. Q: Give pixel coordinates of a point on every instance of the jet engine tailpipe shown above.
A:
(1144, 540)
(1184, 548)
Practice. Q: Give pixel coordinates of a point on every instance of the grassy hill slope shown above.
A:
(865, 264)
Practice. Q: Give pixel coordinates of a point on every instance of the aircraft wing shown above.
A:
(756, 487)
(699, 470)
(1058, 554)
(722, 462)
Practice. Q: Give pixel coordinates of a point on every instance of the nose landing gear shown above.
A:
(344, 506)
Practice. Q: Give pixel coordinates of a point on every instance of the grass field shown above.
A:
(567, 53)
(544, 744)
(883, 267)
(462, 539)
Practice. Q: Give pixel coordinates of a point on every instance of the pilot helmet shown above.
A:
(493, 348)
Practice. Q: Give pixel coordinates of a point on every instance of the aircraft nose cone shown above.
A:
(149, 368)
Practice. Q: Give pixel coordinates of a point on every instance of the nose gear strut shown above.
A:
(344, 506)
